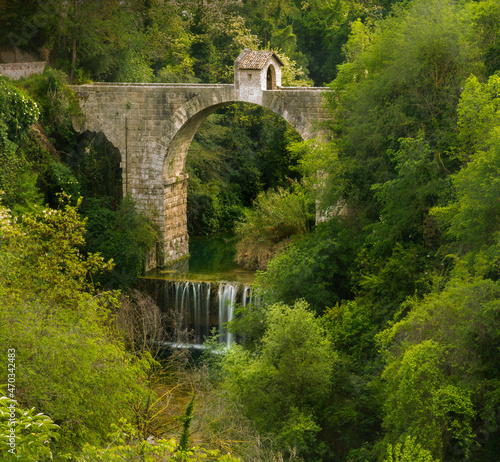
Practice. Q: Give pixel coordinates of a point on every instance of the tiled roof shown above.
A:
(257, 59)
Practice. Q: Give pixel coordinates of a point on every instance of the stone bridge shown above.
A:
(153, 125)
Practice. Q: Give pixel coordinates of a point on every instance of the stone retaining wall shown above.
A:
(17, 70)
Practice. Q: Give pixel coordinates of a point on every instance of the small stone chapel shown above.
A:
(256, 71)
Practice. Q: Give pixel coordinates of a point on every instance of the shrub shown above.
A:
(276, 217)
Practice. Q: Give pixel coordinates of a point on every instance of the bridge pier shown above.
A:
(175, 208)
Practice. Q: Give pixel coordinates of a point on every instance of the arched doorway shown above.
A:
(271, 78)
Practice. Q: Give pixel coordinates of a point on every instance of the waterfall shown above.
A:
(187, 305)
(194, 308)
(247, 296)
(227, 299)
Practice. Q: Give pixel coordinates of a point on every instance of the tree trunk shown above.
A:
(73, 60)
(73, 49)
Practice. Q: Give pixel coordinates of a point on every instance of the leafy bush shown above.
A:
(18, 113)
(289, 377)
(126, 445)
(442, 371)
(409, 451)
(472, 219)
(125, 236)
(62, 180)
(266, 229)
(315, 267)
(33, 432)
(57, 104)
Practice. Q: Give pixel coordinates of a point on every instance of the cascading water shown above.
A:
(227, 300)
(247, 296)
(187, 305)
(194, 308)
(192, 297)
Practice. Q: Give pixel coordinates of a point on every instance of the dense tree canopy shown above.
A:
(410, 174)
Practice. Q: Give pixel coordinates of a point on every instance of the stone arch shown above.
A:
(187, 120)
(152, 125)
(179, 145)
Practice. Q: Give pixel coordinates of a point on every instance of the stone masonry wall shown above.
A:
(176, 238)
(17, 70)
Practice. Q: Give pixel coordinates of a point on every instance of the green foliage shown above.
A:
(17, 180)
(212, 209)
(219, 34)
(405, 77)
(276, 217)
(156, 44)
(125, 236)
(485, 15)
(478, 114)
(237, 153)
(394, 143)
(311, 33)
(46, 242)
(132, 41)
(63, 181)
(384, 283)
(292, 75)
(95, 33)
(249, 325)
(315, 267)
(171, 41)
(439, 375)
(406, 200)
(96, 163)
(32, 171)
(420, 402)
(472, 219)
(27, 435)
(17, 113)
(56, 103)
(289, 376)
(475, 214)
(409, 451)
(222, 172)
(186, 425)
(70, 364)
(351, 328)
(126, 445)
(405, 115)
